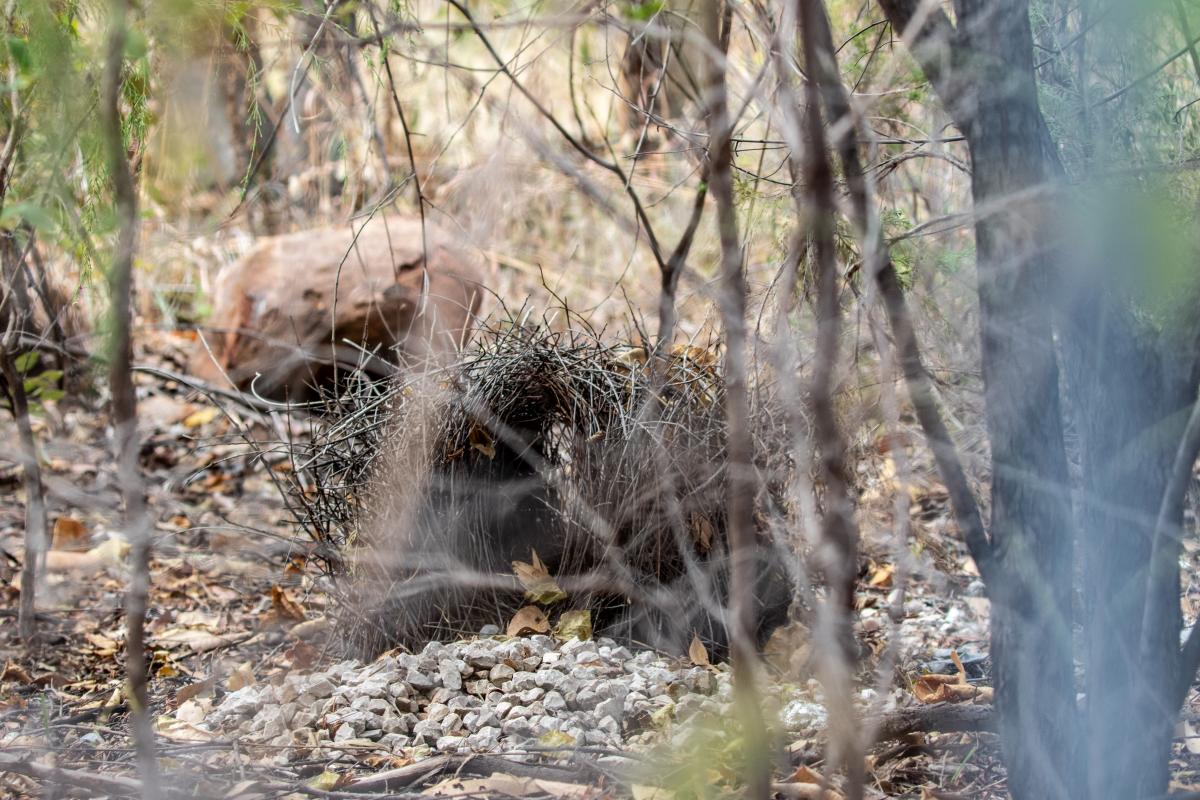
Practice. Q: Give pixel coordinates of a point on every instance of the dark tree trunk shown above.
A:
(1131, 390)
(1031, 525)
(1130, 405)
(983, 71)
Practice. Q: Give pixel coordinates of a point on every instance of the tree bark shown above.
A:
(1130, 403)
(742, 480)
(124, 401)
(983, 70)
(15, 314)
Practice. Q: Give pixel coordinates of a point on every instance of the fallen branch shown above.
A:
(415, 774)
(91, 781)
(939, 717)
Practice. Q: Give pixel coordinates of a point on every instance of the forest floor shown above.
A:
(235, 602)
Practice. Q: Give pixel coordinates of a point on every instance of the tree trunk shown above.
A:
(1130, 407)
(1031, 521)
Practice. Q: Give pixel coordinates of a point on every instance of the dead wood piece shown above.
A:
(414, 775)
(300, 308)
(939, 717)
(91, 781)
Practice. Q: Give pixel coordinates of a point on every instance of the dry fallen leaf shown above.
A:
(698, 653)
(881, 576)
(535, 578)
(161, 411)
(934, 688)
(181, 731)
(250, 789)
(70, 534)
(804, 791)
(109, 553)
(201, 417)
(528, 621)
(328, 781)
(571, 791)
(241, 677)
(185, 693)
(804, 783)
(199, 641)
(309, 629)
(105, 646)
(574, 625)
(702, 532)
(284, 610)
(14, 672)
(482, 441)
(498, 784)
(302, 655)
(193, 712)
(697, 355)
(553, 739)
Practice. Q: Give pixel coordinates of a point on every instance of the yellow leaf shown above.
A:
(201, 417)
(557, 739)
(881, 576)
(662, 715)
(574, 625)
(325, 782)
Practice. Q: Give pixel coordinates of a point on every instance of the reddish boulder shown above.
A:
(300, 308)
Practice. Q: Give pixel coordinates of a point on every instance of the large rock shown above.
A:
(299, 309)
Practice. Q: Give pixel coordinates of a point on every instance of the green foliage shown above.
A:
(1128, 110)
(707, 762)
(39, 386)
(643, 11)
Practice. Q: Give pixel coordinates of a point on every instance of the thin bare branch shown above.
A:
(742, 480)
(124, 399)
(14, 315)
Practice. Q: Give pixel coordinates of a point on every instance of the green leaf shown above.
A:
(27, 361)
(19, 50)
(642, 12)
(29, 212)
(136, 45)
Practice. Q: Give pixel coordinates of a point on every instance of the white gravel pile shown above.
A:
(482, 695)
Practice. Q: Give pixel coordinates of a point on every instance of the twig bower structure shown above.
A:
(607, 463)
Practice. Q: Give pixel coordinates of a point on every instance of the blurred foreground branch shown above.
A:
(124, 400)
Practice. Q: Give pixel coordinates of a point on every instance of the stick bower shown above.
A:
(608, 463)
